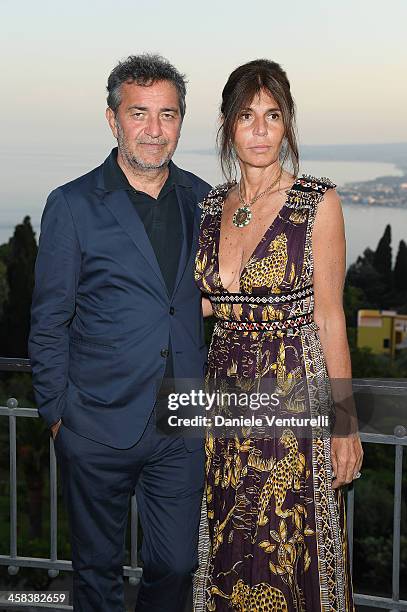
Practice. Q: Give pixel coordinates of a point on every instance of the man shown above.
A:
(115, 311)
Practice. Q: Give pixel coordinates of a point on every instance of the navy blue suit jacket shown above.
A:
(101, 313)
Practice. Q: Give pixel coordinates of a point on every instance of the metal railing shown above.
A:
(54, 565)
(398, 440)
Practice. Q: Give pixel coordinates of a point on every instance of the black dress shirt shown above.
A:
(162, 221)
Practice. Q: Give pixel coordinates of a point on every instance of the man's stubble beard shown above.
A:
(136, 163)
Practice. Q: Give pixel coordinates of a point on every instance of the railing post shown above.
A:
(133, 537)
(350, 510)
(399, 431)
(11, 404)
(53, 494)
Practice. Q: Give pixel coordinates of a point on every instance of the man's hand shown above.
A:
(347, 456)
(55, 427)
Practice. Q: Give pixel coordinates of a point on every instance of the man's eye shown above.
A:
(275, 115)
(245, 116)
(137, 115)
(168, 116)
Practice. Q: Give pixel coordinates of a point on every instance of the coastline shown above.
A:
(30, 198)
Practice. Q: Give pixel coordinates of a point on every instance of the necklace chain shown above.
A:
(243, 214)
(259, 195)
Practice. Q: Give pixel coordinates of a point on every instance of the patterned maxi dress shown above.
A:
(273, 530)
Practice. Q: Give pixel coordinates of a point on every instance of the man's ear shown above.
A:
(111, 119)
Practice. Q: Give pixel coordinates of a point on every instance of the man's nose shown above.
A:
(153, 127)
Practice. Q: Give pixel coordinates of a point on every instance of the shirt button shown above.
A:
(164, 352)
(172, 310)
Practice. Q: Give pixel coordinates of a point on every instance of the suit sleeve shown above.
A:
(53, 306)
(204, 190)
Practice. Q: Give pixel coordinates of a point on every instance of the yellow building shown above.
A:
(383, 331)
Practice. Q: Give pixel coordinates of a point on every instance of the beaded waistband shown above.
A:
(275, 298)
(290, 323)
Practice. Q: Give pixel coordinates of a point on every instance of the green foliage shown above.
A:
(4, 251)
(382, 258)
(401, 361)
(400, 268)
(354, 299)
(18, 385)
(3, 286)
(363, 275)
(373, 526)
(369, 285)
(30, 578)
(366, 364)
(20, 276)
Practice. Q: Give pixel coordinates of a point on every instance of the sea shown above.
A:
(24, 187)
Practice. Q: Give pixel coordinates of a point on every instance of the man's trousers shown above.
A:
(97, 483)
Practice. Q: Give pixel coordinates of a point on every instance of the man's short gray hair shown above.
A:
(144, 69)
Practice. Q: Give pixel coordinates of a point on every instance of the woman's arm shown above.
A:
(329, 254)
(206, 308)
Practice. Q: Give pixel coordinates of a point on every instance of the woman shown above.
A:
(271, 263)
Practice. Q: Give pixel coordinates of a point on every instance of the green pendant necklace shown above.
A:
(243, 214)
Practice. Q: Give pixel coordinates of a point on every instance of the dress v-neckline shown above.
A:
(268, 229)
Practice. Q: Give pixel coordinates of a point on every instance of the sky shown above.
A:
(346, 61)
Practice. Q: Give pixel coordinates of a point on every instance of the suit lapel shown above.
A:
(121, 207)
(186, 203)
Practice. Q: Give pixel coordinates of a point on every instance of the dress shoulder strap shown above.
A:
(308, 191)
(213, 202)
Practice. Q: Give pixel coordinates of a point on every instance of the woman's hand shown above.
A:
(347, 457)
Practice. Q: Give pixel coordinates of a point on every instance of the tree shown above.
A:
(20, 275)
(382, 258)
(364, 275)
(400, 268)
(3, 286)
(4, 251)
(353, 300)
